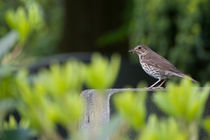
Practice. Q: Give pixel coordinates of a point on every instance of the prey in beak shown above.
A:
(131, 51)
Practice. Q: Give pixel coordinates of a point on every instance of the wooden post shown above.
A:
(97, 112)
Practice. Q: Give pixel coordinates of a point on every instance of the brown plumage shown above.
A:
(156, 66)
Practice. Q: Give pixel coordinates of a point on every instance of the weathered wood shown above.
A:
(97, 112)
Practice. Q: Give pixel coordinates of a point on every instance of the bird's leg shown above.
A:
(154, 84)
(162, 83)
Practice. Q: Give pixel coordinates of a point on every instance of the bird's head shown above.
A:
(140, 50)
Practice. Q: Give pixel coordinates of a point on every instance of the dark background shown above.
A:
(93, 19)
(178, 30)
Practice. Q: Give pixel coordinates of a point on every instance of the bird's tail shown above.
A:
(185, 76)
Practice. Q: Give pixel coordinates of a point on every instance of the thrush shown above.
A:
(157, 66)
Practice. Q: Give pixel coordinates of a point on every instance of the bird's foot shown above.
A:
(154, 88)
(159, 87)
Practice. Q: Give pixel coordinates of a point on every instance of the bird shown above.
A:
(157, 66)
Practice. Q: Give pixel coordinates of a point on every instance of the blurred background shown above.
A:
(177, 30)
(40, 34)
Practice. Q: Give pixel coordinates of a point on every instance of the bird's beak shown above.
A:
(132, 51)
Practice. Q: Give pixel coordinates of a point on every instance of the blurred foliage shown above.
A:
(175, 29)
(30, 24)
(49, 101)
(183, 101)
(7, 42)
(14, 130)
(113, 37)
(7, 91)
(183, 104)
(52, 96)
(121, 33)
(101, 73)
(12, 124)
(206, 125)
(162, 130)
(17, 134)
(186, 102)
(46, 41)
(6, 105)
(24, 22)
(132, 108)
(7, 82)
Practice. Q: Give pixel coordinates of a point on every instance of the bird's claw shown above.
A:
(153, 88)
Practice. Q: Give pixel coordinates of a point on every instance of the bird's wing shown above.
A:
(160, 62)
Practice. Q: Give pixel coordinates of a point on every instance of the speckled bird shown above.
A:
(156, 66)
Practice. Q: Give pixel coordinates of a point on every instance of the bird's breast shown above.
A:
(152, 71)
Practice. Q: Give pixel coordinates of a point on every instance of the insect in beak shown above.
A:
(131, 51)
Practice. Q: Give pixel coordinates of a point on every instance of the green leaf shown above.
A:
(17, 134)
(5, 106)
(101, 73)
(185, 100)
(52, 96)
(25, 20)
(206, 125)
(7, 42)
(131, 107)
(164, 129)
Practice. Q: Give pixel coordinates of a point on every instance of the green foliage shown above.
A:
(7, 92)
(37, 26)
(12, 124)
(206, 125)
(7, 82)
(24, 22)
(100, 73)
(183, 104)
(113, 37)
(165, 129)
(185, 101)
(17, 134)
(51, 97)
(5, 106)
(46, 41)
(7, 42)
(61, 79)
(132, 107)
(12, 130)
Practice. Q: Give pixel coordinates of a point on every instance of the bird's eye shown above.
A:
(139, 47)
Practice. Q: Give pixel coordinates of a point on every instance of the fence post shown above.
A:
(97, 111)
